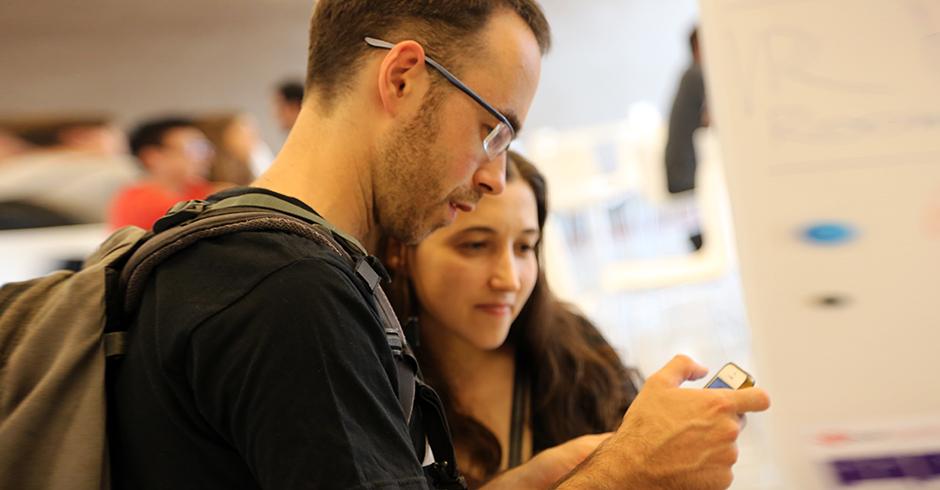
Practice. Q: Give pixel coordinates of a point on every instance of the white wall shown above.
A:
(136, 59)
(609, 54)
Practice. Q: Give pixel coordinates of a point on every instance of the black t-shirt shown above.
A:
(258, 361)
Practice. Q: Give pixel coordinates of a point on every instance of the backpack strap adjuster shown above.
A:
(368, 273)
(180, 213)
(115, 344)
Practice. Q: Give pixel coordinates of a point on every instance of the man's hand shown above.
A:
(672, 437)
(549, 466)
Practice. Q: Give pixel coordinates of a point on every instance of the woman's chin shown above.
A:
(490, 342)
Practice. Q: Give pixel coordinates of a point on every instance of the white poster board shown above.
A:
(828, 113)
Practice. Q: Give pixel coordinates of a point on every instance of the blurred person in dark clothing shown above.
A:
(71, 168)
(688, 114)
(287, 101)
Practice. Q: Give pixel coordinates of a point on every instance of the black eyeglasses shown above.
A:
(500, 137)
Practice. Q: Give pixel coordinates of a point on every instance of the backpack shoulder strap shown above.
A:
(188, 210)
(168, 241)
(189, 222)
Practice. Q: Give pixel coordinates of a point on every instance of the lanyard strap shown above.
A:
(520, 399)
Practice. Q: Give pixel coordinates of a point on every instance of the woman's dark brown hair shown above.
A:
(226, 165)
(579, 385)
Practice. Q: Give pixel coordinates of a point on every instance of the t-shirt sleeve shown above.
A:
(296, 376)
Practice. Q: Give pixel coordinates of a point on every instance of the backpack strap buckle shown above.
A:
(444, 476)
(180, 213)
(368, 273)
(373, 278)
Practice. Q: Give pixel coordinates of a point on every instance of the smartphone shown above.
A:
(731, 377)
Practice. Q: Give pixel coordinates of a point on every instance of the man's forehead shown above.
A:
(506, 66)
(183, 135)
(184, 132)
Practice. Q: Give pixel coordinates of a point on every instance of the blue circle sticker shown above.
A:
(829, 233)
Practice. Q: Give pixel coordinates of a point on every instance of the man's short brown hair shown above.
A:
(442, 27)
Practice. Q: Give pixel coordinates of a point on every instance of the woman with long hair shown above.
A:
(240, 153)
(518, 370)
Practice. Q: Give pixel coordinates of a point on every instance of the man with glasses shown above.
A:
(259, 360)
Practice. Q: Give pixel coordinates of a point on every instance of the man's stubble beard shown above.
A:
(409, 177)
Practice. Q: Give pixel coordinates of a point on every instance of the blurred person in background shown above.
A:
(240, 153)
(175, 156)
(11, 144)
(288, 99)
(689, 112)
(518, 370)
(67, 174)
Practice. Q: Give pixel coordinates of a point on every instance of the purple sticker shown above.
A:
(854, 471)
(917, 467)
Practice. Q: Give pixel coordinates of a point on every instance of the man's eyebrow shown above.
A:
(513, 119)
(477, 229)
(490, 231)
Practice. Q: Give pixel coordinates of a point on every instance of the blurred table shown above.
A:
(37, 251)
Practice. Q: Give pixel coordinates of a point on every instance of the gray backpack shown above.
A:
(58, 332)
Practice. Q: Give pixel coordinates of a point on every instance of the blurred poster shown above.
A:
(828, 115)
(885, 456)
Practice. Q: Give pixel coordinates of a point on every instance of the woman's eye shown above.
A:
(526, 248)
(473, 245)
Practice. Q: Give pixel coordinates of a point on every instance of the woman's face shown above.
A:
(473, 277)
(240, 137)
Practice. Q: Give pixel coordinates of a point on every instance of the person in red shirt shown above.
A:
(175, 156)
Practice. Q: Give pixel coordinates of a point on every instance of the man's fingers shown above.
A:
(679, 370)
(594, 438)
(751, 400)
(585, 445)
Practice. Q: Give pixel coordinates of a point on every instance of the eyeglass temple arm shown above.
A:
(378, 43)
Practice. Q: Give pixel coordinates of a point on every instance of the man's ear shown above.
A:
(403, 77)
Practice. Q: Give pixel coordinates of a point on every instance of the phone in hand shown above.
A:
(731, 377)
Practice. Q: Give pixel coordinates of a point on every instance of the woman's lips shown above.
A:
(496, 309)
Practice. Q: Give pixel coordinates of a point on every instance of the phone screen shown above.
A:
(718, 383)
(731, 377)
